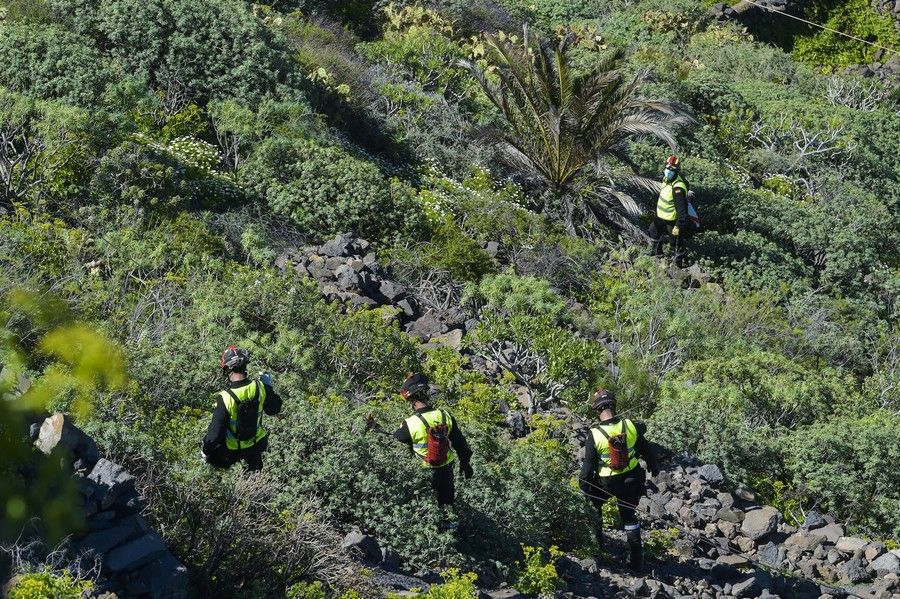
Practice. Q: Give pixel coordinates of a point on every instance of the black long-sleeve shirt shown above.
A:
(589, 466)
(215, 433)
(457, 439)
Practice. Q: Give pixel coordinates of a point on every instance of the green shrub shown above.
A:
(782, 496)
(660, 542)
(206, 48)
(307, 590)
(847, 465)
(41, 585)
(854, 17)
(153, 177)
(508, 295)
(537, 574)
(748, 260)
(50, 62)
(454, 251)
(360, 15)
(418, 41)
(364, 479)
(688, 419)
(456, 585)
(50, 152)
(141, 176)
(32, 11)
(325, 190)
(470, 394)
(39, 248)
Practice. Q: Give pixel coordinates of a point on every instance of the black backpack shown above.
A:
(247, 415)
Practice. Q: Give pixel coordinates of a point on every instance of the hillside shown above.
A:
(357, 190)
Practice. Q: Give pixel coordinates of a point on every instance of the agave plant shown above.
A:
(570, 130)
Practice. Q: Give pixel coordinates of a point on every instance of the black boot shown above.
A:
(636, 549)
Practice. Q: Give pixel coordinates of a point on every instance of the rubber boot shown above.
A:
(636, 553)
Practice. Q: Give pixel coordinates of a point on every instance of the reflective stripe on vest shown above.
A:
(665, 205)
(602, 446)
(243, 394)
(419, 435)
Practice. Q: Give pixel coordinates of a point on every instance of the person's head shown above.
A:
(604, 403)
(673, 167)
(415, 389)
(234, 361)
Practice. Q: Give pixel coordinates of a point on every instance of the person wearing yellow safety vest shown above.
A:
(235, 432)
(627, 483)
(672, 217)
(414, 432)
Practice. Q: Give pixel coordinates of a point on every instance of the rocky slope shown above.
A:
(703, 538)
(714, 542)
(703, 541)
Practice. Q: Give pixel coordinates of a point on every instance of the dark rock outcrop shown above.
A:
(347, 274)
(134, 560)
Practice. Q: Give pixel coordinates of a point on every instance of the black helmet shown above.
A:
(414, 385)
(603, 399)
(234, 359)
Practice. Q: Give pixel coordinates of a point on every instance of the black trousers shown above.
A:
(251, 456)
(659, 229)
(443, 484)
(627, 488)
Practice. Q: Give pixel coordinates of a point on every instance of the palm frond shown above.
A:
(563, 126)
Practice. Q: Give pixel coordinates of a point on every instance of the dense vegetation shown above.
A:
(156, 156)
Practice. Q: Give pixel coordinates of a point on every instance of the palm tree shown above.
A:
(570, 131)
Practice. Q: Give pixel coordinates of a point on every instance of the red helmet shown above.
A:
(234, 359)
(673, 162)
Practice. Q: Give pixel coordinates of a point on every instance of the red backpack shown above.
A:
(438, 440)
(618, 448)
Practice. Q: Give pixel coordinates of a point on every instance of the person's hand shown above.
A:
(676, 230)
(266, 379)
(466, 470)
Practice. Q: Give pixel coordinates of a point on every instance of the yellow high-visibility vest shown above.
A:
(245, 393)
(665, 205)
(602, 445)
(419, 434)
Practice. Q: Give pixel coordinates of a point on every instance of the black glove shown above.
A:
(466, 470)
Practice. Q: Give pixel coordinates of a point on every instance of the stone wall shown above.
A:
(134, 560)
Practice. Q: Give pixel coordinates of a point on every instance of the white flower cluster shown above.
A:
(196, 153)
(212, 187)
(441, 198)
